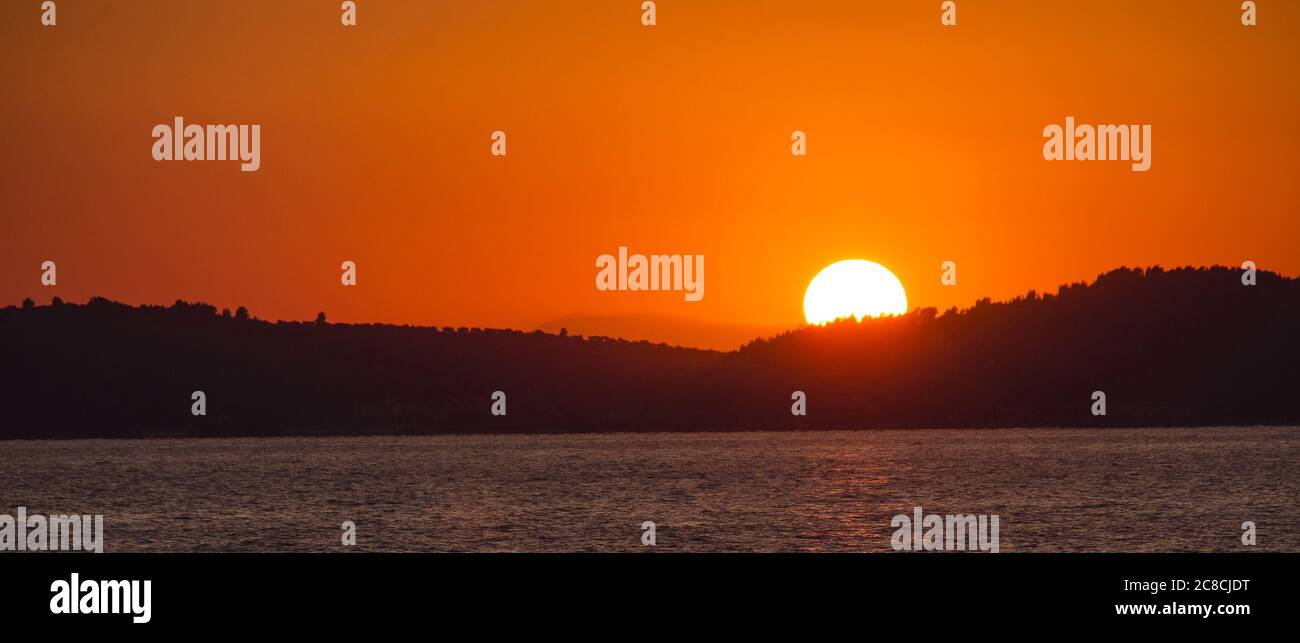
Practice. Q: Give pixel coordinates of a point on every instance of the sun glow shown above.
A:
(853, 288)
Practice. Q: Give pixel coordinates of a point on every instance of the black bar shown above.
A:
(190, 592)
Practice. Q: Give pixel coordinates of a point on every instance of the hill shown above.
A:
(1190, 346)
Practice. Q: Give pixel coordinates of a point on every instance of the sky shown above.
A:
(924, 146)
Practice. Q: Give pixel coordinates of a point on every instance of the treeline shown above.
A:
(1166, 347)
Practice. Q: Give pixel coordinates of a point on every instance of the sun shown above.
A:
(853, 288)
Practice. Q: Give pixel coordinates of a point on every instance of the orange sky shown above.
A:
(924, 146)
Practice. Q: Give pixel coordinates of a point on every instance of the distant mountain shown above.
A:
(1176, 347)
(667, 329)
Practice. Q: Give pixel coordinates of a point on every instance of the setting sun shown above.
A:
(853, 288)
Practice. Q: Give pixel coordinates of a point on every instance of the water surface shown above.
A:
(1160, 489)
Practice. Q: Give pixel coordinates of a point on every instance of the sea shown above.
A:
(1052, 490)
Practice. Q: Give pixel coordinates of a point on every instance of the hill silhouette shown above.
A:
(1190, 346)
(659, 328)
